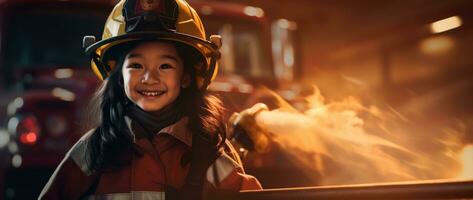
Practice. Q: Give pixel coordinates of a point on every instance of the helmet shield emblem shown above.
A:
(148, 5)
(150, 15)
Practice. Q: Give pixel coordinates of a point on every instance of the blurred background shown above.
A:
(358, 91)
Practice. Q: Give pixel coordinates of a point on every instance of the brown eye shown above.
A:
(135, 66)
(166, 66)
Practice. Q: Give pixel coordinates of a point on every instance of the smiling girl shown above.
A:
(159, 134)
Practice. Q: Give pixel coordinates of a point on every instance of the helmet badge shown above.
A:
(148, 5)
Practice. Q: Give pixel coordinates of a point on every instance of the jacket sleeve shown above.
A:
(71, 179)
(67, 182)
(227, 173)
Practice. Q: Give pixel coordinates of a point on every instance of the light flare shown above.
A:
(467, 160)
(446, 24)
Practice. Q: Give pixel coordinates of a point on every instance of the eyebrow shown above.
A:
(170, 57)
(133, 55)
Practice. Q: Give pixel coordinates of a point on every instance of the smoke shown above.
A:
(346, 143)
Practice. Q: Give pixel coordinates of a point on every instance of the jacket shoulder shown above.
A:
(72, 178)
(78, 153)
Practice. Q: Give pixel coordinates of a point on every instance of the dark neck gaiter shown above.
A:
(149, 123)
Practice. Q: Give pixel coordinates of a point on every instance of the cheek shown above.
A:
(177, 81)
(128, 83)
(173, 84)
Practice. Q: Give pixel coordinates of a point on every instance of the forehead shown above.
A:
(154, 48)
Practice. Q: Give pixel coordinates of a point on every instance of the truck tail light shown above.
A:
(28, 130)
(28, 138)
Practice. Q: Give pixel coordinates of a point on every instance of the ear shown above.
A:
(186, 80)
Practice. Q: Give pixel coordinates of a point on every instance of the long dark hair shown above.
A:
(112, 142)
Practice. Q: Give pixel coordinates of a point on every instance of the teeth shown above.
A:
(151, 93)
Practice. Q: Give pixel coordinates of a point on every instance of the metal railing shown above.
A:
(407, 190)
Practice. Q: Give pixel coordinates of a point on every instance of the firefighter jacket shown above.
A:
(153, 169)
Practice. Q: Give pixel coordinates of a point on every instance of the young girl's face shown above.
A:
(153, 74)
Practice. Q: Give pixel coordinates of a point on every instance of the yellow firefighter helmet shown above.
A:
(163, 20)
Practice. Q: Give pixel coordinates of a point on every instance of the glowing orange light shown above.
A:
(28, 138)
(437, 45)
(446, 24)
(467, 161)
(253, 11)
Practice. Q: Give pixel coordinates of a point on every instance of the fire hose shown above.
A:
(407, 190)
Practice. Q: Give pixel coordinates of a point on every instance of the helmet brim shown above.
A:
(208, 50)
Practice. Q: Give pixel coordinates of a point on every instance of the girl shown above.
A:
(160, 135)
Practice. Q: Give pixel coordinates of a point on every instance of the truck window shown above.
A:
(243, 50)
(48, 38)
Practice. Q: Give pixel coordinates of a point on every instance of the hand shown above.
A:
(245, 122)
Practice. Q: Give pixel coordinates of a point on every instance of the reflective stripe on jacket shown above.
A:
(155, 168)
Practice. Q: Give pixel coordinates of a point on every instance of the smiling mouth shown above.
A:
(151, 93)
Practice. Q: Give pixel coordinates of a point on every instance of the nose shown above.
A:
(150, 76)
